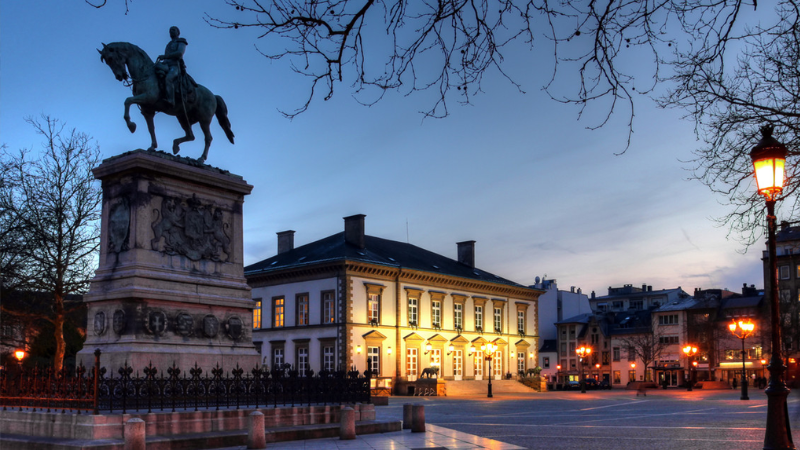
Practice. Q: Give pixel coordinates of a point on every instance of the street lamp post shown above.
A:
(743, 330)
(583, 352)
(769, 159)
(689, 351)
(488, 351)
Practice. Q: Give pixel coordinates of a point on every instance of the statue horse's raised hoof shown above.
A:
(132, 127)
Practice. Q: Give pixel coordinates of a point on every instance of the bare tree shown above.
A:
(52, 202)
(645, 344)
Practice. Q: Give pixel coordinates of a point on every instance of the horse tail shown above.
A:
(222, 118)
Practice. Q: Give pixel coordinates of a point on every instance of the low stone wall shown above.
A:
(86, 426)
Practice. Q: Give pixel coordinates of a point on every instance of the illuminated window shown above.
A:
(521, 322)
(479, 318)
(278, 308)
(257, 315)
(374, 308)
(498, 319)
(436, 357)
(458, 309)
(412, 310)
(546, 362)
(631, 375)
(411, 363)
(617, 377)
(302, 309)
(374, 359)
(521, 362)
(436, 313)
(328, 307)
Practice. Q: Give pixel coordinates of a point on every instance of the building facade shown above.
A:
(352, 301)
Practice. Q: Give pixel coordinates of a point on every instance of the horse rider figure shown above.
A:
(171, 64)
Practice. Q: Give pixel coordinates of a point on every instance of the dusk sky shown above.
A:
(518, 173)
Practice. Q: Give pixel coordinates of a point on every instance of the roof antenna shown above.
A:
(407, 241)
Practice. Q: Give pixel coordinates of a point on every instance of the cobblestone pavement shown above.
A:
(617, 419)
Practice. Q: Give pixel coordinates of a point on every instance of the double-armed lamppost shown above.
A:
(743, 330)
(689, 351)
(769, 159)
(488, 351)
(583, 351)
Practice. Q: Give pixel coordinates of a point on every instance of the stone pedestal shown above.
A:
(170, 287)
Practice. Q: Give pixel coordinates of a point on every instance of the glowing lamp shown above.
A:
(633, 365)
(792, 360)
(428, 348)
(450, 349)
(597, 366)
(358, 349)
(389, 350)
(769, 160)
(694, 363)
(558, 367)
(472, 349)
(19, 354)
(763, 361)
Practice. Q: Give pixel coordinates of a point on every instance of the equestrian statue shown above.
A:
(164, 86)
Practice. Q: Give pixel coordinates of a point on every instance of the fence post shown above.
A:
(347, 426)
(134, 434)
(256, 436)
(95, 406)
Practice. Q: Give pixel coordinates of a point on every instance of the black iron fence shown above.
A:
(176, 389)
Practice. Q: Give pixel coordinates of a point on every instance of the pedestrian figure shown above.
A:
(734, 383)
(641, 390)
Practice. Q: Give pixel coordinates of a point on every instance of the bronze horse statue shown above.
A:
(124, 58)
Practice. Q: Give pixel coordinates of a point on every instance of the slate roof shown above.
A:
(742, 302)
(790, 233)
(549, 346)
(580, 318)
(377, 251)
(679, 305)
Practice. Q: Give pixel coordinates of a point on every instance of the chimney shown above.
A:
(285, 241)
(466, 253)
(354, 230)
(592, 294)
(644, 288)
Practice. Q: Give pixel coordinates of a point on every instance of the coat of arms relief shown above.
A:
(191, 228)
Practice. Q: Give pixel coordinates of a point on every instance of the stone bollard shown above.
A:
(256, 437)
(418, 418)
(134, 434)
(407, 416)
(347, 427)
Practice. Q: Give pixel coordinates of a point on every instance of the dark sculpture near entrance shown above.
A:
(165, 87)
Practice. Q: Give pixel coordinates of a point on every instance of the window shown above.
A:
(302, 309)
(413, 303)
(436, 313)
(668, 340)
(669, 319)
(411, 363)
(616, 353)
(374, 359)
(498, 319)
(278, 308)
(784, 272)
(546, 362)
(328, 359)
(637, 304)
(563, 349)
(605, 361)
(631, 376)
(631, 354)
(521, 362)
(617, 377)
(374, 308)
(257, 315)
(458, 316)
(595, 338)
(277, 357)
(786, 295)
(458, 363)
(571, 349)
(302, 361)
(436, 358)
(328, 307)
(478, 318)
(521, 322)
(572, 331)
(617, 304)
(478, 364)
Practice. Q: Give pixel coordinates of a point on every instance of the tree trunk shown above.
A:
(58, 322)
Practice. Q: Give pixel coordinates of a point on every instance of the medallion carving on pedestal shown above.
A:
(191, 228)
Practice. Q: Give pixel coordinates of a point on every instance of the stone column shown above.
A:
(418, 418)
(134, 432)
(347, 428)
(256, 437)
(407, 416)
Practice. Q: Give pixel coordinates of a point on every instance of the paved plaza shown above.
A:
(664, 420)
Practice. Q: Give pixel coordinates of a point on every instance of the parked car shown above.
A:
(591, 383)
(604, 385)
(572, 385)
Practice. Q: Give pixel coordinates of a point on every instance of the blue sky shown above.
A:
(518, 173)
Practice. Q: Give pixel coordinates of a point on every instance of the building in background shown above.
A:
(352, 301)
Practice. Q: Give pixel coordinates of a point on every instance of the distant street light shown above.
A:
(583, 352)
(769, 159)
(19, 354)
(488, 351)
(743, 330)
(690, 351)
